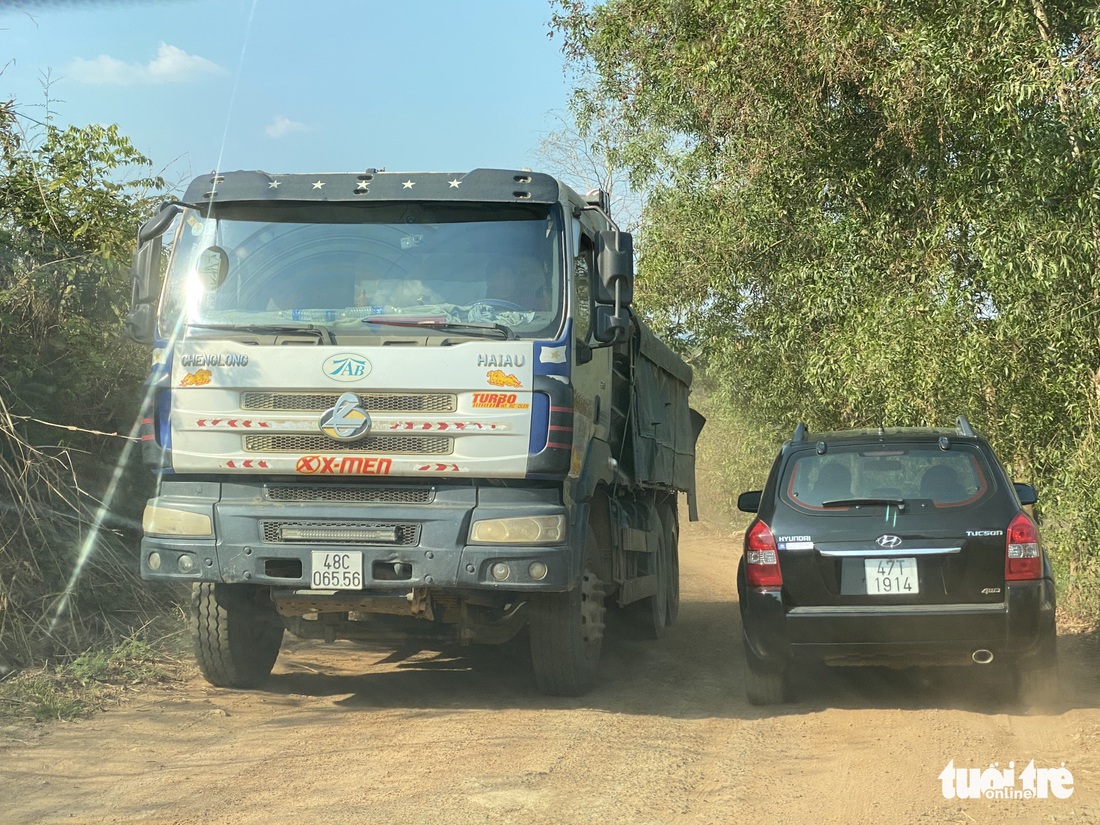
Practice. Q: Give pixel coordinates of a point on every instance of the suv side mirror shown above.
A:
(749, 502)
(1026, 493)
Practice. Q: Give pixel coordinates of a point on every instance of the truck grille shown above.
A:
(369, 401)
(405, 535)
(434, 445)
(363, 494)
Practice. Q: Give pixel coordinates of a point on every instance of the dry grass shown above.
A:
(732, 456)
(67, 583)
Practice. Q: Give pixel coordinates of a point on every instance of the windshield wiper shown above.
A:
(451, 326)
(856, 502)
(270, 329)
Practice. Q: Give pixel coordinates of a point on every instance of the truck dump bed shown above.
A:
(664, 426)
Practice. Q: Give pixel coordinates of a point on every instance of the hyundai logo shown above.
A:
(888, 542)
(346, 421)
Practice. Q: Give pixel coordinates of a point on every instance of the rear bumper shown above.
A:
(900, 635)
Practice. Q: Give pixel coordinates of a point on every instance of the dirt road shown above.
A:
(344, 734)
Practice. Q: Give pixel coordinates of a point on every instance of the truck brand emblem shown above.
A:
(346, 367)
(485, 359)
(888, 542)
(346, 421)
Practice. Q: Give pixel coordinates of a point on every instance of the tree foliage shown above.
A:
(69, 202)
(878, 212)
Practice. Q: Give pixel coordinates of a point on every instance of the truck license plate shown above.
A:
(891, 576)
(337, 571)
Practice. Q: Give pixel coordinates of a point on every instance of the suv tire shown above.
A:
(765, 684)
(1037, 677)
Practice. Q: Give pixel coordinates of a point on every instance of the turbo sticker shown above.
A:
(498, 401)
(349, 465)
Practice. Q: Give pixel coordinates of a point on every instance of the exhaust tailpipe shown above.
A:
(982, 656)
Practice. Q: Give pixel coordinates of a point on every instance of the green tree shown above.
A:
(873, 212)
(70, 200)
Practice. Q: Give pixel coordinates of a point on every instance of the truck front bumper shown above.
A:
(257, 540)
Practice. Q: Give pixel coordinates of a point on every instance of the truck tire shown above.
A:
(650, 615)
(236, 634)
(566, 633)
(672, 542)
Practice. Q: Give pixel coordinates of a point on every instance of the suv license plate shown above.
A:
(336, 570)
(897, 577)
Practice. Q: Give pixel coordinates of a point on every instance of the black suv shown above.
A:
(894, 547)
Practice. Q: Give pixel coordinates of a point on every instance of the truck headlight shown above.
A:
(166, 521)
(521, 530)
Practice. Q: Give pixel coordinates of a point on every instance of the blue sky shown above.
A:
(294, 85)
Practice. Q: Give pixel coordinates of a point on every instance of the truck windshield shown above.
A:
(344, 265)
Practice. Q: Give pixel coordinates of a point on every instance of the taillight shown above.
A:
(1023, 557)
(762, 557)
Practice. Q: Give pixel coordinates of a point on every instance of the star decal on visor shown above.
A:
(408, 184)
(318, 184)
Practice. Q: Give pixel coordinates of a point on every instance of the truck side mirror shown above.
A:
(140, 321)
(615, 263)
(145, 274)
(613, 290)
(145, 270)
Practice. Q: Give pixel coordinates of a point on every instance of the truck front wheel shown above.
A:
(236, 633)
(566, 631)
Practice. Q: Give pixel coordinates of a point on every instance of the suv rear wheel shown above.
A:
(765, 682)
(1037, 677)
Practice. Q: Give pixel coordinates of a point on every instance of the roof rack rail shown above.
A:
(799, 434)
(963, 426)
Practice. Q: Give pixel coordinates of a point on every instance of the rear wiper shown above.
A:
(452, 326)
(270, 329)
(856, 502)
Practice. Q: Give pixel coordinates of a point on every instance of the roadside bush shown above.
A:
(70, 494)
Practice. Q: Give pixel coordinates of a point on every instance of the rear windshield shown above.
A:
(946, 478)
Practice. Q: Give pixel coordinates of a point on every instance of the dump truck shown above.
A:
(406, 406)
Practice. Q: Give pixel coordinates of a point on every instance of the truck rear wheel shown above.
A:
(236, 633)
(655, 613)
(672, 542)
(566, 631)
